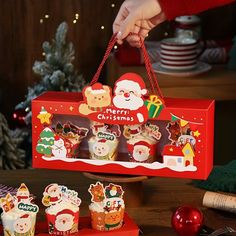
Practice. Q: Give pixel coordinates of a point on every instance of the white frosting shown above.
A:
(54, 209)
(96, 206)
(141, 138)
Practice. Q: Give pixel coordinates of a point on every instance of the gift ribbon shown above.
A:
(156, 101)
(151, 74)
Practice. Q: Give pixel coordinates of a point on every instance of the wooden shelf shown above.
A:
(218, 84)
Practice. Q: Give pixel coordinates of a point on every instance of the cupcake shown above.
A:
(107, 207)
(142, 142)
(71, 135)
(62, 210)
(19, 213)
(103, 146)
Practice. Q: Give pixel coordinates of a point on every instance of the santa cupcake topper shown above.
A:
(54, 194)
(125, 106)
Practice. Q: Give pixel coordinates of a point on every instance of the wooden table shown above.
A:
(162, 196)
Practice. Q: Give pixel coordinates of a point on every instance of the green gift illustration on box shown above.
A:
(154, 105)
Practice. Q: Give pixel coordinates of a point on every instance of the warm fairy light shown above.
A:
(102, 27)
(166, 34)
(41, 21)
(74, 21)
(76, 16)
(115, 47)
(46, 16)
(113, 5)
(43, 53)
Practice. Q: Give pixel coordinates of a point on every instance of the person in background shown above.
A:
(140, 16)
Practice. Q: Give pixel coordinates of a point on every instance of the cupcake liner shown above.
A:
(135, 157)
(107, 221)
(21, 224)
(63, 223)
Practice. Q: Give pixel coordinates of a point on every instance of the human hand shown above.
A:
(138, 17)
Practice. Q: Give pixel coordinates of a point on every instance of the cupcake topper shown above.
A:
(70, 195)
(152, 130)
(52, 195)
(113, 190)
(27, 207)
(7, 203)
(97, 192)
(23, 194)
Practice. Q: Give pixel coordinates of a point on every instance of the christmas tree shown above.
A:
(56, 71)
(57, 74)
(11, 157)
(45, 142)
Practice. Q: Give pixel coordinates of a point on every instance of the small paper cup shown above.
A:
(107, 221)
(18, 224)
(63, 223)
(137, 152)
(99, 150)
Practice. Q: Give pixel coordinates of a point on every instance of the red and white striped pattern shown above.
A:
(179, 54)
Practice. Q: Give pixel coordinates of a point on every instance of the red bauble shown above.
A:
(187, 221)
(19, 117)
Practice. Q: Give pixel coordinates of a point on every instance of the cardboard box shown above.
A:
(184, 150)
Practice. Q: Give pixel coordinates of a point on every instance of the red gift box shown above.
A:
(185, 144)
(180, 116)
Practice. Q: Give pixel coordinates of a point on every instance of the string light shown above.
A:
(43, 53)
(76, 16)
(102, 27)
(74, 21)
(46, 16)
(113, 5)
(115, 47)
(41, 21)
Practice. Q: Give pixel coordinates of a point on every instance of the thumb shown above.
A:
(127, 25)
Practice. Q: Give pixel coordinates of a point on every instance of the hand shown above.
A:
(139, 17)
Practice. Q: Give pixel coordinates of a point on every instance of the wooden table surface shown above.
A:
(162, 196)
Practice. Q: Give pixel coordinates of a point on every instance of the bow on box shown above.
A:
(154, 105)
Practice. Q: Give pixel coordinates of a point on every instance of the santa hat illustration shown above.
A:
(131, 81)
(96, 88)
(24, 216)
(65, 211)
(46, 190)
(23, 188)
(57, 138)
(102, 140)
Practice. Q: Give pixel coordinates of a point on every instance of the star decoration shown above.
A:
(71, 108)
(44, 118)
(196, 133)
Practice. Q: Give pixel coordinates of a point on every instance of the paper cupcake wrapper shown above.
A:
(58, 227)
(20, 226)
(107, 221)
(151, 158)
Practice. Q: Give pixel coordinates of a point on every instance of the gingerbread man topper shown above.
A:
(125, 106)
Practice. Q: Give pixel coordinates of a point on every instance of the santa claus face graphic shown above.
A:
(23, 224)
(100, 148)
(129, 90)
(64, 222)
(141, 153)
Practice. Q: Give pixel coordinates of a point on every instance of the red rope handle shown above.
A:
(151, 74)
(107, 53)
